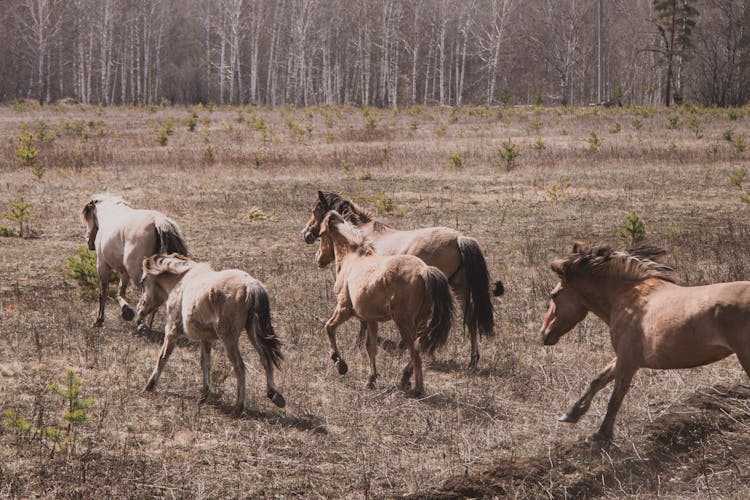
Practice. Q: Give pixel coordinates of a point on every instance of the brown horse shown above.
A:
(208, 305)
(653, 322)
(457, 256)
(377, 288)
(122, 237)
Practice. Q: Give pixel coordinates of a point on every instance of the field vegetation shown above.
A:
(524, 181)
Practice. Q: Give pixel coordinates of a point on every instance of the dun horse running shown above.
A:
(122, 237)
(207, 306)
(378, 288)
(653, 322)
(457, 256)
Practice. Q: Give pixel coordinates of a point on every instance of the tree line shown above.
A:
(376, 52)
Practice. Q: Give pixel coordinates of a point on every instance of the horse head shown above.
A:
(326, 254)
(566, 309)
(88, 217)
(311, 232)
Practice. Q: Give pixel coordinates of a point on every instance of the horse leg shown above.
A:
(461, 291)
(362, 336)
(409, 337)
(272, 392)
(171, 334)
(623, 376)
(233, 352)
(127, 312)
(372, 350)
(102, 270)
(206, 368)
(582, 405)
(340, 314)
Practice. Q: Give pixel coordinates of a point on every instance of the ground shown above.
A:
(241, 186)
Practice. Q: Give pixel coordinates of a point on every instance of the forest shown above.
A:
(383, 53)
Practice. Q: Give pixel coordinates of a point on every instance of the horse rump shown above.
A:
(435, 334)
(168, 237)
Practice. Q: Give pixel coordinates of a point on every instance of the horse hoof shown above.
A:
(599, 438)
(414, 393)
(568, 419)
(150, 386)
(342, 367)
(98, 323)
(238, 409)
(128, 313)
(277, 399)
(371, 383)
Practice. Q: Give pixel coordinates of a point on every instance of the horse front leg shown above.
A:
(340, 314)
(582, 405)
(372, 351)
(127, 312)
(171, 335)
(102, 270)
(623, 376)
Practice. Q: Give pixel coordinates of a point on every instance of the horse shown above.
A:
(206, 306)
(653, 322)
(122, 237)
(458, 257)
(377, 288)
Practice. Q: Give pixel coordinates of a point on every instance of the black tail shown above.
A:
(435, 334)
(169, 238)
(478, 310)
(268, 343)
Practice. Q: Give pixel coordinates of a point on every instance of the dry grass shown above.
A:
(335, 438)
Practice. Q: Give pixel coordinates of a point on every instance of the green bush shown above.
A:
(632, 230)
(508, 153)
(20, 213)
(82, 270)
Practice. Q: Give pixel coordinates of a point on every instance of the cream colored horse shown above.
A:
(653, 322)
(207, 306)
(457, 256)
(122, 237)
(377, 288)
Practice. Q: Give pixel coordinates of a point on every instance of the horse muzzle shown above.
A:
(309, 237)
(549, 338)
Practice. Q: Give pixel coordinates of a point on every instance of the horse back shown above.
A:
(683, 327)
(435, 246)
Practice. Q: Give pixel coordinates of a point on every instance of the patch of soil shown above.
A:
(704, 434)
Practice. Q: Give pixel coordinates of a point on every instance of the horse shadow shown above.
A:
(307, 423)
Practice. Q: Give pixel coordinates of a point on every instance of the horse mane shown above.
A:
(352, 235)
(173, 263)
(110, 198)
(350, 211)
(635, 264)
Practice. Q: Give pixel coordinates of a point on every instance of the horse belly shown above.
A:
(686, 345)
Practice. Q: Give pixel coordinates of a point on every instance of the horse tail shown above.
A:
(435, 334)
(478, 310)
(269, 345)
(168, 237)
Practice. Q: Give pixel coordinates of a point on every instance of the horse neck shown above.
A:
(169, 281)
(342, 248)
(107, 209)
(602, 295)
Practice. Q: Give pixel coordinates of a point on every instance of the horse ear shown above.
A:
(322, 198)
(580, 246)
(148, 264)
(558, 266)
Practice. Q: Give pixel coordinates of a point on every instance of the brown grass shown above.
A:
(335, 438)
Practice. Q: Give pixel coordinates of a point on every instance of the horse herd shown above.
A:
(414, 278)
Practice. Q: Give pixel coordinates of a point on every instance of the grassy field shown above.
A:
(242, 184)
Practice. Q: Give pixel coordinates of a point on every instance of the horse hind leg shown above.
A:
(272, 391)
(127, 312)
(581, 406)
(233, 352)
(460, 290)
(206, 369)
(414, 366)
